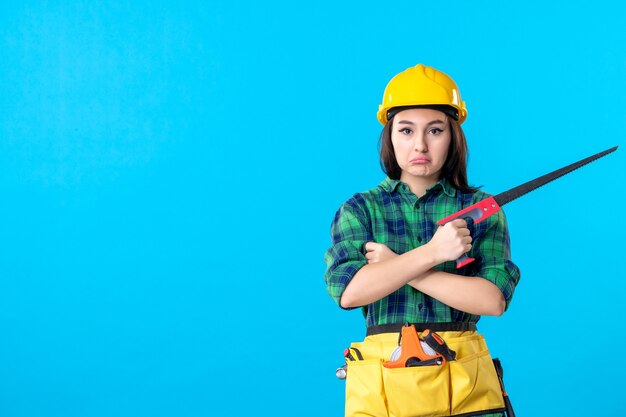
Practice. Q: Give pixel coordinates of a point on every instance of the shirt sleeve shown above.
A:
(493, 253)
(350, 230)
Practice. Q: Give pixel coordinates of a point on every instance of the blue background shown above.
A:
(169, 171)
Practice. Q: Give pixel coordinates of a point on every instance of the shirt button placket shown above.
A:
(417, 209)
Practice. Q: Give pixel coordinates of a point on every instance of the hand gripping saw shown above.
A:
(491, 205)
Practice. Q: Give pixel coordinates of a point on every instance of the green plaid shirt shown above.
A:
(391, 214)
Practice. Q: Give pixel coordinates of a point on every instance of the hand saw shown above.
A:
(491, 205)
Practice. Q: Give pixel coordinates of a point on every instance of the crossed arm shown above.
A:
(387, 271)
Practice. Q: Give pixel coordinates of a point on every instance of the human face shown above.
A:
(421, 139)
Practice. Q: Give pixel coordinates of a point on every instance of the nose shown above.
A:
(420, 143)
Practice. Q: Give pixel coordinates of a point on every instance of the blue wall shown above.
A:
(169, 171)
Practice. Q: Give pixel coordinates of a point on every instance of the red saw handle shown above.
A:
(477, 212)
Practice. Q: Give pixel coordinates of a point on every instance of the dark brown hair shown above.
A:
(454, 169)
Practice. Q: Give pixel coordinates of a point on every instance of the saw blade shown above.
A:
(520, 190)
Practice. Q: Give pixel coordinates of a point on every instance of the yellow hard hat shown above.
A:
(422, 86)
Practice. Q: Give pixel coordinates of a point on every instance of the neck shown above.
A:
(418, 185)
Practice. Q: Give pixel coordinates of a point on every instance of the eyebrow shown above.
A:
(432, 122)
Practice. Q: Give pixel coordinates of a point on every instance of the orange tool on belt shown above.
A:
(436, 343)
(412, 353)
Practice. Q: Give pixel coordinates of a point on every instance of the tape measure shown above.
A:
(395, 355)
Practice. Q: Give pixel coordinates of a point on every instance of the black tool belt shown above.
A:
(420, 327)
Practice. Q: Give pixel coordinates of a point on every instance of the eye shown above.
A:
(435, 131)
(405, 131)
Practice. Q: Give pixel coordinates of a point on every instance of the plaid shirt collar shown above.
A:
(390, 185)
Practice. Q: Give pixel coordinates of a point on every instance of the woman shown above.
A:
(389, 258)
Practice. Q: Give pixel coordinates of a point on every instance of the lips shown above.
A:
(419, 160)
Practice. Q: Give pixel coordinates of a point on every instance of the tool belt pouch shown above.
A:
(467, 386)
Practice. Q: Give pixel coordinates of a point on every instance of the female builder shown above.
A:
(389, 257)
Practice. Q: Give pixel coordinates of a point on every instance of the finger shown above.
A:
(467, 240)
(371, 257)
(464, 231)
(468, 248)
(370, 246)
(459, 223)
